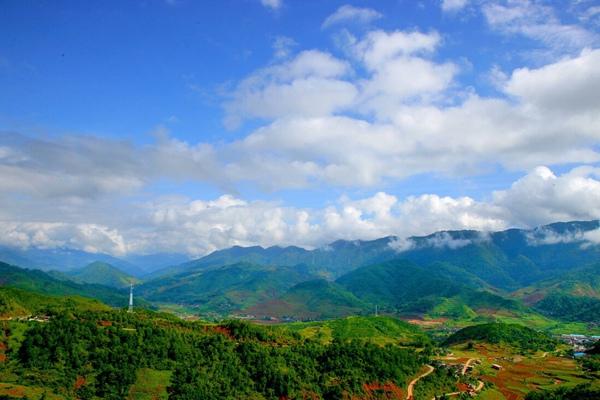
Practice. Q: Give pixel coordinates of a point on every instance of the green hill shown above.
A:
(225, 289)
(380, 330)
(407, 288)
(102, 273)
(574, 296)
(110, 355)
(315, 299)
(16, 302)
(41, 282)
(518, 336)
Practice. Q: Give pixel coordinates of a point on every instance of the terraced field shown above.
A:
(518, 374)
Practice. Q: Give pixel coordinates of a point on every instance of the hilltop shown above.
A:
(514, 335)
(102, 273)
(43, 283)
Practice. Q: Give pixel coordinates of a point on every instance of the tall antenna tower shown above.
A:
(130, 298)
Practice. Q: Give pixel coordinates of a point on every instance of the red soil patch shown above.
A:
(16, 392)
(378, 391)
(310, 396)
(533, 298)
(2, 357)
(3, 346)
(105, 323)
(462, 387)
(219, 329)
(79, 382)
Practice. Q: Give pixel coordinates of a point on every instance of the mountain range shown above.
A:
(546, 272)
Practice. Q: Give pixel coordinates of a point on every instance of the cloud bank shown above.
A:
(378, 107)
(197, 226)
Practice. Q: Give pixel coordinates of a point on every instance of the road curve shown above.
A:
(464, 370)
(411, 385)
(476, 390)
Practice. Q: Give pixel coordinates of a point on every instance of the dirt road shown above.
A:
(464, 370)
(411, 385)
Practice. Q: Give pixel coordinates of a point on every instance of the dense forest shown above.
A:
(96, 354)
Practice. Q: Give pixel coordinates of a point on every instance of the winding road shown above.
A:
(411, 385)
(430, 369)
(464, 370)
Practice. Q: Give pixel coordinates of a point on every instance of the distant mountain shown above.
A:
(395, 287)
(225, 289)
(573, 296)
(507, 260)
(153, 262)
(454, 274)
(103, 274)
(62, 259)
(65, 259)
(407, 288)
(316, 299)
(41, 282)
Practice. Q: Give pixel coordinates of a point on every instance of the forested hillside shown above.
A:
(42, 282)
(103, 274)
(96, 355)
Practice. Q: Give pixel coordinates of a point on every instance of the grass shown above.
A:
(150, 384)
(379, 330)
(12, 390)
(531, 320)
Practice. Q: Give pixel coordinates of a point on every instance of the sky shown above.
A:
(136, 127)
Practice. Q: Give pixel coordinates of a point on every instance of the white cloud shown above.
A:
(197, 227)
(282, 46)
(324, 126)
(379, 47)
(567, 86)
(444, 239)
(309, 84)
(542, 197)
(453, 5)
(538, 22)
(92, 238)
(272, 4)
(592, 237)
(349, 13)
(401, 245)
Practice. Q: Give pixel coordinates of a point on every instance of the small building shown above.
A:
(497, 367)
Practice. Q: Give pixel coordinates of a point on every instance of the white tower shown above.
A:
(130, 298)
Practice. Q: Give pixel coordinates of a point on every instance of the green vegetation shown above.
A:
(517, 336)
(406, 288)
(16, 302)
(579, 392)
(41, 282)
(380, 330)
(442, 380)
(316, 299)
(150, 384)
(116, 355)
(102, 274)
(570, 308)
(225, 289)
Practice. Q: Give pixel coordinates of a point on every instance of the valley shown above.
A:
(435, 320)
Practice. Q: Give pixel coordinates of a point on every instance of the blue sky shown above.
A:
(128, 127)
